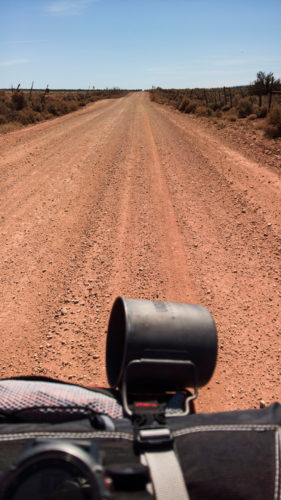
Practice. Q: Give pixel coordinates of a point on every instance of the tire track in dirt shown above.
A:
(147, 237)
(129, 242)
(42, 222)
(234, 248)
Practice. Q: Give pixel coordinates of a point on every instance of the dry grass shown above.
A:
(273, 124)
(19, 108)
(234, 105)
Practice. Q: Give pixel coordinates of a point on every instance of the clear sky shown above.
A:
(138, 43)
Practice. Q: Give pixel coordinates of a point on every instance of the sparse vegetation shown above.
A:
(253, 116)
(245, 107)
(245, 104)
(265, 84)
(273, 125)
(23, 107)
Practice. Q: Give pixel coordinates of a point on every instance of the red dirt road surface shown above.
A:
(126, 197)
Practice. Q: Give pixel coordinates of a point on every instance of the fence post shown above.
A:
(270, 92)
(270, 99)
(225, 98)
(205, 95)
(216, 104)
(230, 97)
(30, 92)
(43, 96)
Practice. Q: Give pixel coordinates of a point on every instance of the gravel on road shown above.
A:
(128, 197)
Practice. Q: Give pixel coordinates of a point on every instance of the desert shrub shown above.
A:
(10, 114)
(27, 116)
(235, 100)
(251, 117)
(273, 125)
(4, 108)
(203, 111)
(19, 108)
(245, 107)
(56, 107)
(38, 107)
(209, 112)
(83, 98)
(261, 112)
(4, 101)
(69, 96)
(73, 106)
(9, 127)
(37, 103)
(18, 100)
(45, 115)
(183, 104)
(232, 117)
(191, 107)
(177, 101)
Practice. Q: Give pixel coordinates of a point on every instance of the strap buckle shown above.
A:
(151, 438)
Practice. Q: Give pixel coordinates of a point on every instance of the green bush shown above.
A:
(245, 107)
(273, 125)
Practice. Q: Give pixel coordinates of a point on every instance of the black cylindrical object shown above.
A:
(152, 330)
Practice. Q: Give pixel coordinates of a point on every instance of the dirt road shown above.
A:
(126, 197)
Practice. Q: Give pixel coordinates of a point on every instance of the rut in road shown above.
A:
(128, 197)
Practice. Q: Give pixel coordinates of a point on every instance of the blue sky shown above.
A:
(138, 43)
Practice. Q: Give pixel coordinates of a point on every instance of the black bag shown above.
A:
(233, 455)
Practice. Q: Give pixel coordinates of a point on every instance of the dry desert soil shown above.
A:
(128, 197)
